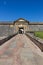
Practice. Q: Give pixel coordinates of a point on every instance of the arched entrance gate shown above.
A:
(21, 25)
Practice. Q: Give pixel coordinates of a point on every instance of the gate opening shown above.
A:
(21, 30)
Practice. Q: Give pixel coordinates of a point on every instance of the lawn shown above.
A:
(39, 34)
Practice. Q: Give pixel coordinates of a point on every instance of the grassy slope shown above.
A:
(39, 34)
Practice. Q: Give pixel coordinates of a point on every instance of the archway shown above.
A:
(21, 30)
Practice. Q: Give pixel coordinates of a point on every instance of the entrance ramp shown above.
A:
(20, 50)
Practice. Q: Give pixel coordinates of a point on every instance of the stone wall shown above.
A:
(35, 27)
(6, 30)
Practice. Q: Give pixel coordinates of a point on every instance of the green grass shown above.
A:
(39, 34)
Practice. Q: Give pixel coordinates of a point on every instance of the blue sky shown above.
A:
(31, 10)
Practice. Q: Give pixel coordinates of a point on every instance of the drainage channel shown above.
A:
(39, 44)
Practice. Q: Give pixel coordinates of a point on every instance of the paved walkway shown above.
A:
(20, 50)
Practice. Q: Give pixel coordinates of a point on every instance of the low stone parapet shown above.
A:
(2, 41)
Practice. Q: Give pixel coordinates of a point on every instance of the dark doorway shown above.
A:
(21, 30)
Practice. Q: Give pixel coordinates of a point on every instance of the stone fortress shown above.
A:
(9, 28)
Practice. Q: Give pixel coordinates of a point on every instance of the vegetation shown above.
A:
(39, 34)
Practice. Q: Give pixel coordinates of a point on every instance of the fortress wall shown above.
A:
(6, 30)
(35, 27)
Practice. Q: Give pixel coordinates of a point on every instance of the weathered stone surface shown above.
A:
(6, 30)
(35, 27)
(20, 50)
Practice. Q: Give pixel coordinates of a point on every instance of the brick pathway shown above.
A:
(20, 50)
